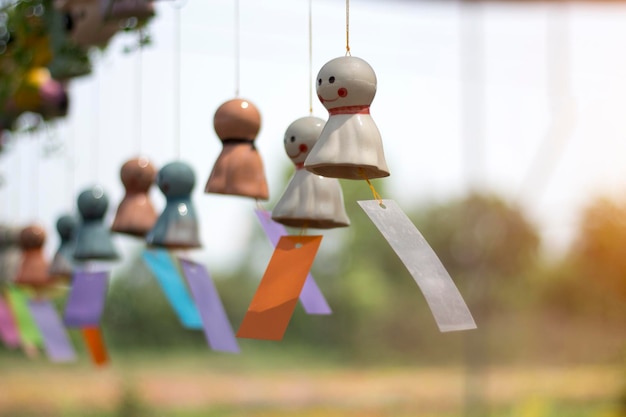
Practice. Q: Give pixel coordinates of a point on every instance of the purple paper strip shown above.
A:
(9, 334)
(217, 328)
(311, 297)
(56, 341)
(86, 300)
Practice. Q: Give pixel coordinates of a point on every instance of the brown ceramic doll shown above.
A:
(34, 268)
(238, 169)
(135, 214)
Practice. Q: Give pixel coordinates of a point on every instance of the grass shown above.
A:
(194, 384)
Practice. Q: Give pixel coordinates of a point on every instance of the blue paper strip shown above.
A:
(85, 302)
(172, 284)
(311, 297)
(217, 329)
(56, 341)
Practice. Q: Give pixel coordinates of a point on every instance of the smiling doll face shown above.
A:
(300, 137)
(346, 81)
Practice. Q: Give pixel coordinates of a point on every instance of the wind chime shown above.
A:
(37, 318)
(350, 147)
(186, 284)
(309, 201)
(30, 315)
(93, 252)
(62, 265)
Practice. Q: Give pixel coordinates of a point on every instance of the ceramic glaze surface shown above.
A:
(350, 145)
(309, 199)
(33, 270)
(177, 226)
(238, 169)
(93, 238)
(136, 214)
(62, 264)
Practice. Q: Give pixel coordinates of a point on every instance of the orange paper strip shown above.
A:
(95, 343)
(275, 299)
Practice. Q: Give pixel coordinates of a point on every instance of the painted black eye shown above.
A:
(292, 139)
(319, 82)
(331, 80)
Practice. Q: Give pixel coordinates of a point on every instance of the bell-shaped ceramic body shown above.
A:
(86, 24)
(309, 200)
(62, 264)
(124, 9)
(93, 238)
(33, 270)
(177, 227)
(135, 214)
(350, 145)
(239, 168)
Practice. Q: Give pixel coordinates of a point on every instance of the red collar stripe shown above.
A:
(349, 110)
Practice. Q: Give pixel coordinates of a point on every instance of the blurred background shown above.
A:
(504, 132)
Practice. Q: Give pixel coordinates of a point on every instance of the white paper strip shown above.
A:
(443, 297)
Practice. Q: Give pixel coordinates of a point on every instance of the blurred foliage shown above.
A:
(597, 255)
(526, 307)
(137, 314)
(35, 35)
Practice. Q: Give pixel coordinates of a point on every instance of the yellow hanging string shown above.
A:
(347, 27)
(304, 229)
(374, 192)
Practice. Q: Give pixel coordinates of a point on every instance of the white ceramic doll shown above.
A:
(309, 199)
(350, 145)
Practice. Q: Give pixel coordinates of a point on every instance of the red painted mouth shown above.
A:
(302, 149)
(326, 100)
(341, 92)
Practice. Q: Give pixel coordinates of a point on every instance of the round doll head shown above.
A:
(176, 179)
(32, 237)
(346, 81)
(138, 175)
(93, 203)
(300, 137)
(237, 119)
(66, 226)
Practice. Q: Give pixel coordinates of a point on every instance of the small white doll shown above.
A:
(349, 146)
(309, 199)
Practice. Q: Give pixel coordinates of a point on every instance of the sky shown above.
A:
(526, 101)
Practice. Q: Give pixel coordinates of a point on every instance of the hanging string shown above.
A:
(347, 27)
(374, 192)
(15, 208)
(70, 162)
(138, 93)
(95, 149)
(177, 80)
(310, 58)
(237, 41)
(35, 182)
